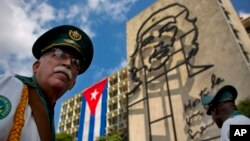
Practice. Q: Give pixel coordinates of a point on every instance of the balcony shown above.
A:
(112, 100)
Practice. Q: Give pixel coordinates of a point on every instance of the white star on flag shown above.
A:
(94, 94)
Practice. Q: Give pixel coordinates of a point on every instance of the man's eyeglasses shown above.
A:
(62, 55)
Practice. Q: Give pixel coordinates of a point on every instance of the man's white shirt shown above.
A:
(236, 120)
(10, 95)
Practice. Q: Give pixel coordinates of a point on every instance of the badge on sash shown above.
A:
(5, 107)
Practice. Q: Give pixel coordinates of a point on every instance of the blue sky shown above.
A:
(22, 21)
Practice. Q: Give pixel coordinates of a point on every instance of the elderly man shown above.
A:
(27, 104)
(223, 110)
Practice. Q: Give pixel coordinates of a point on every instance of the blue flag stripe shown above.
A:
(103, 111)
(91, 128)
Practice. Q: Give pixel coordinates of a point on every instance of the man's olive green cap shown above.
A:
(66, 36)
(226, 93)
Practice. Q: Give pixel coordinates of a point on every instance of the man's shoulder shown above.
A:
(25, 79)
(6, 77)
(242, 119)
(8, 82)
(238, 119)
(10, 77)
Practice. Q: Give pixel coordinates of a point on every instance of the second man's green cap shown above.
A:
(226, 93)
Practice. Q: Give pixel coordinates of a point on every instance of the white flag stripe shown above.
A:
(98, 118)
(86, 124)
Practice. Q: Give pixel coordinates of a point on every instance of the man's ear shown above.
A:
(216, 111)
(35, 66)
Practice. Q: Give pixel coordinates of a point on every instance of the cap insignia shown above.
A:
(74, 35)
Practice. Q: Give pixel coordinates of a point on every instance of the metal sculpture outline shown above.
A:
(165, 52)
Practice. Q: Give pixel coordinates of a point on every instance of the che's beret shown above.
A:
(226, 93)
(66, 36)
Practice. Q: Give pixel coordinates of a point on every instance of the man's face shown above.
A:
(216, 116)
(157, 44)
(56, 72)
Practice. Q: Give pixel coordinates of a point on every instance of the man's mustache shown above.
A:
(64, 70)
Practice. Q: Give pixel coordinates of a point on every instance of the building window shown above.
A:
(79, 99)
(61, 129)
(71, 104)
(76, 134)
(68, 126)
(123, 76)
(113, 81)
(113, 93)
(113, 107)
(112, 121)
(123, 102)
(77, 110)
(70, 114)
(248, 29)
(64, 107)
(124, 88)
(63, 117)
(76, 122)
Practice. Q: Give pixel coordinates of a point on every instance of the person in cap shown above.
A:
(27, 103)
(223, 110)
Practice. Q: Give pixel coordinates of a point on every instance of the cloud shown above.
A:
(244, 14)
(42, 13)
(113, 9)
(122, 64)
(103, 72)
(19, 29)
(22, 22)
(99, 73)
(17, 67)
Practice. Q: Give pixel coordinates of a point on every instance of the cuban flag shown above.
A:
(93, 112)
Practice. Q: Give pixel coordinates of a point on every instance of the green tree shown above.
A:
(244, 107)
(64, 137)
(112, 136)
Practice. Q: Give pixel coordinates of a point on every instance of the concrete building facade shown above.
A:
(69, 115)
(178, 51)
(117, 112)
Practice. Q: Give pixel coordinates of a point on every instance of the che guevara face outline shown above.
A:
(156, 39)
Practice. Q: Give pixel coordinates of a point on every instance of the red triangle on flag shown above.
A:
(93, 94)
